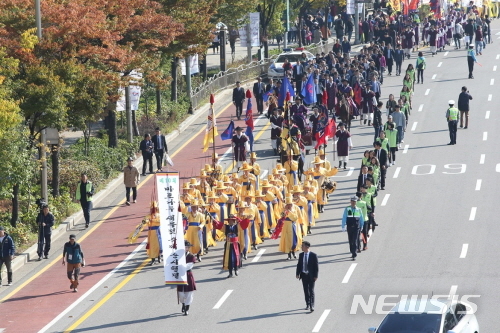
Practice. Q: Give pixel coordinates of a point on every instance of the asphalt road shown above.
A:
(437, 232)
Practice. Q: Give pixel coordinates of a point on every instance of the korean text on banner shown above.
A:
(171, 229)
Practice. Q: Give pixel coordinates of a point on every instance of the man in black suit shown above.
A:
(258, 92)
(146, 147)
(160, 147)
(362, 177)
(381, 155)
(238, 98)
(307, 271)
(297, 73)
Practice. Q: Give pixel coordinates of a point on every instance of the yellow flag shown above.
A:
(211, 131)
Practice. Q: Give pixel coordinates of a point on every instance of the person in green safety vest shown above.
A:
(352, 222)
(452, 118)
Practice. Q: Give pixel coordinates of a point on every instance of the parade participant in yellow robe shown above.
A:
(203, 186)
(301, 203)
(153, 248)
(292, 173)
(215, 209)
(326, 164)
(291, 237)
(270, 200)
(279, 174)
(312, 209)
(221, 200)
(264, 225)
(319, 175)
(194, 233)
(209, 229)
(237, 187)
(253, 214)
(247, 180)
(243, 232)
(255, 168)
(277, 190)
(186, 198)
(195, 193)
(231, 193)
(217, 172)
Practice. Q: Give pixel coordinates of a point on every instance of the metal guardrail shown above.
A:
(223, 80)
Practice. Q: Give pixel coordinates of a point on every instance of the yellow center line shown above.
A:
(44, 269)
(107, 297)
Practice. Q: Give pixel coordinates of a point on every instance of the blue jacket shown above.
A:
(7, 247)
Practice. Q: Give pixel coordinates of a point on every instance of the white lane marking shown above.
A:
(348, 174)
(478, 185)
(349, 273)
(414, 127)
(396, 173)
(485, 136)
(264, 174)
(498, 56)
(223, 298)
(492, 82)
(406, 149)
(321, 320)
(463, 254)
(434, 76)
(472, 215)
(439, 65)
(427, 92)
(257, 257)
(487, 116)
(490, 96)
(497, 169)
(481, 160)
(420, 108)
(384, 201)
(446, 53)
(494, 68)
(97, 285)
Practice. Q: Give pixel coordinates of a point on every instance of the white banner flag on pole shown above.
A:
(171, 228)
(135, 93)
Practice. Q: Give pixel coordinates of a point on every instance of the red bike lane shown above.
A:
(47, 295)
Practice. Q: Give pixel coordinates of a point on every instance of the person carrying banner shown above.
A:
(185, 292)
(240, 146)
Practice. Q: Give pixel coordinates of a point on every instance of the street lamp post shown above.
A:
(285, 38)
(43, 155)
(356, 23)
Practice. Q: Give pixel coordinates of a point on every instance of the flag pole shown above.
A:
(212, 101)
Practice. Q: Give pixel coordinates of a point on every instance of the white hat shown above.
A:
(451, 102)
(354, 198)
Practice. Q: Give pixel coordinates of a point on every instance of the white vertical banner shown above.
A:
(350, 7)
(243, 36)
(195, 69)
(171, 228)
(135, 93)
(255, 29)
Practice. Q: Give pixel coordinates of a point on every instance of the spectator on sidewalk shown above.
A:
(147, 148)
(130, 178)
(7, 250)
(73, 254)
(160, 148)
(84, 193)
(46, 223)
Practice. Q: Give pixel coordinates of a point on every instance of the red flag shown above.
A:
(330, 128)
(249, 113)
(358, 98)
(324, 99)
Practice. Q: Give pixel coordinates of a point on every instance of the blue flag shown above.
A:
(228, 133)
(249, 134)
(308, 91)
(286, 86)
(265, 96)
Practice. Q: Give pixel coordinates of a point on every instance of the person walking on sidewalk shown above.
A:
(160, 147)
(452, 118)
(463, 106)
(46, 224)
(84, 193)
(131, 178)
(307, 271)
(73, 254)
(7, 251)
(147, 147)
(238, 99)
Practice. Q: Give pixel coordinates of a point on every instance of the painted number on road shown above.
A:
(425, 169)
(429, 169)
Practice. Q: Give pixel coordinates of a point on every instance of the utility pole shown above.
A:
(128, 110)
(43, 154)
(285, 38)
(222, 39)
(187, 61)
